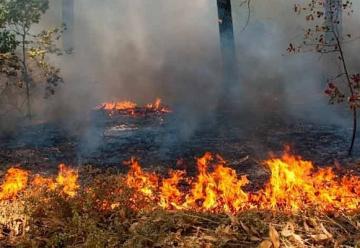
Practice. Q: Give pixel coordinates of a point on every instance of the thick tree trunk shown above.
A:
(227, 42)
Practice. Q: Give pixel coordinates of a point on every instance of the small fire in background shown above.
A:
(132, 109)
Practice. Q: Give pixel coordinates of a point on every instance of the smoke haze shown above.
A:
(139, 50)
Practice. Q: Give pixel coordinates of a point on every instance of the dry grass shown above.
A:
(48, 219)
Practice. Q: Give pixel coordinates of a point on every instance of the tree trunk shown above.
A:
(333, 18)
(227, 42)
(68, 20)
(26, 77)
(351, 89)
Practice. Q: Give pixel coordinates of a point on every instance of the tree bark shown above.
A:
(68, 20)
(26, 76)
(351, 89)
(227, 42)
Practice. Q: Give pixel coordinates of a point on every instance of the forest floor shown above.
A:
(98, 151)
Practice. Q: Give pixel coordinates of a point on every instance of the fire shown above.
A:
(15, 181)
(157, 106)
(294, 185)
(68, 180)
(132, 109)
(40, 182)
(217, 190)
(113, 106)
(144, 182)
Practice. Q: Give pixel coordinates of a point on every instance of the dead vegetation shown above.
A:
(42, 218)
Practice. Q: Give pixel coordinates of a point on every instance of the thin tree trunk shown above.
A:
(354, 110)
(26, 76)
(354, 132)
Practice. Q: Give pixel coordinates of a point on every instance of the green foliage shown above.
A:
(25, 54)
(2, 15)
(25, 12)
(8, 42)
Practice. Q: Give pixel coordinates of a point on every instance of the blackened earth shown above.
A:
(161, 142)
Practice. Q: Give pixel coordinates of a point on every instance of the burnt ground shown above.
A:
(159, 143)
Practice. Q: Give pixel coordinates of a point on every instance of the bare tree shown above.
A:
(326, 38)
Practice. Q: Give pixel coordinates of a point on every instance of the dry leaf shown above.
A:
(274, 236)
(246, 229)
(320, 237)
(329, 235)
(298, 240)
(266, 244)
(288, 230)
(254, 231)
(306, 227)
(255, 239)
(209, 238)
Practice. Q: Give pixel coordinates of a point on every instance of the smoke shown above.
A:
(139, 50)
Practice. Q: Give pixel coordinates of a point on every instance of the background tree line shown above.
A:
(25, 68)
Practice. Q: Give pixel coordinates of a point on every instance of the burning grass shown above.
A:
(132, 109)
(300, 206)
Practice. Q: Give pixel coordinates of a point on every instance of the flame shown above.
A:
(68, 180)
(15, 181)
(42, 182)
(144, 182)
(170, 195)
(132, 109)
(113, 106)
(294, 185)
(157, 106)
(219, 190)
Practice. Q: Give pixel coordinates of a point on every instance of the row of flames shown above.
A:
(132, 109)
(294, 185)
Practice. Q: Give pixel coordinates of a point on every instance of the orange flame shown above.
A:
(219, 190)
(144, 182)
(15, 181)
(113, 106)
(68, 180)
(132, 109)
(157, 106)
(294, 184)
